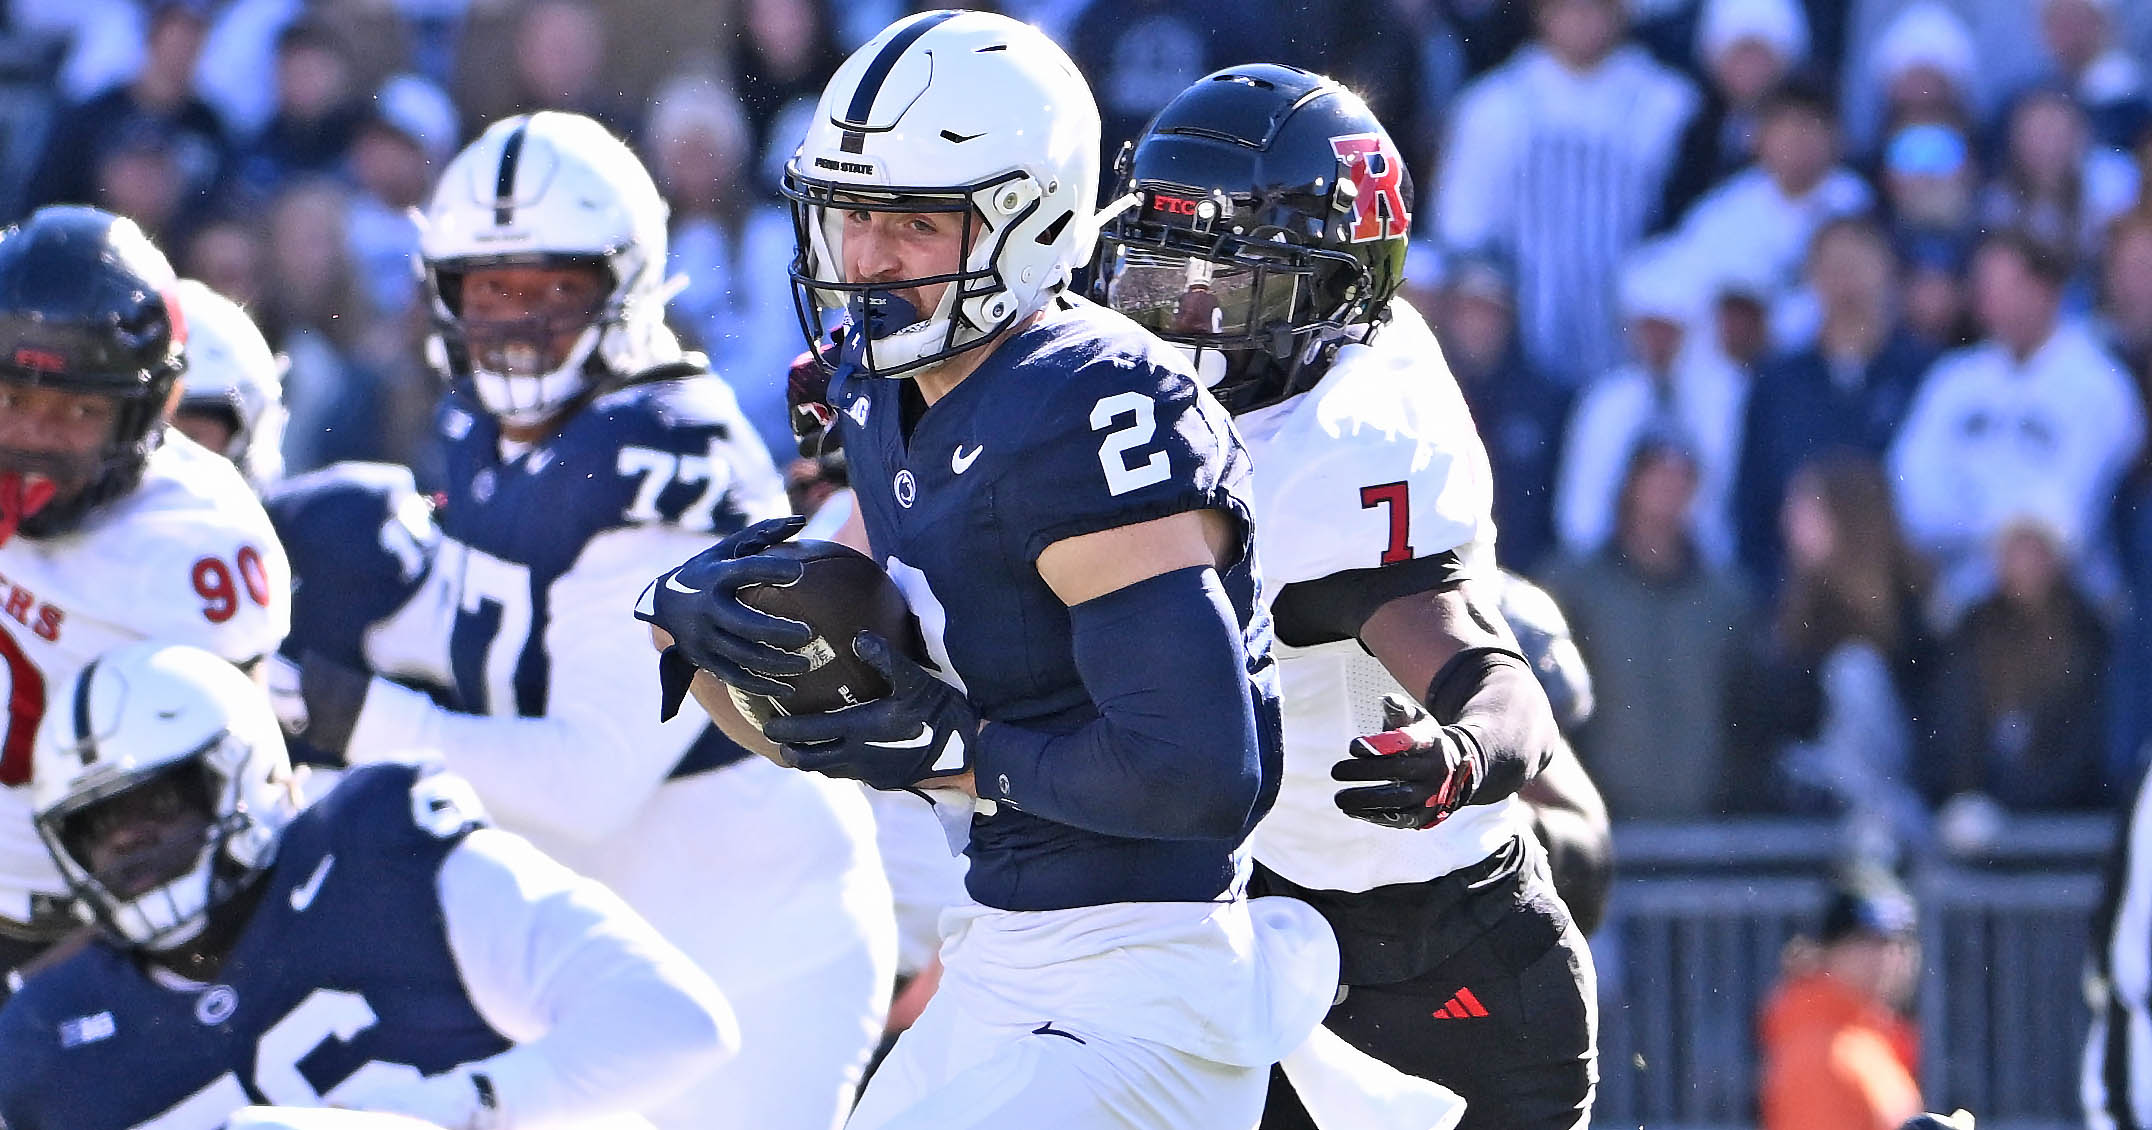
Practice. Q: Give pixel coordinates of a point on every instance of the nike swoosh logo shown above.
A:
(672, 581)
(1048, 1029)
(960, 462)
(951, 757)
(302, 896)
(916, 741)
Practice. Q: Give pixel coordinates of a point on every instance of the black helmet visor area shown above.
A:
(1264, 287)
(818, 285)
(1189, 299)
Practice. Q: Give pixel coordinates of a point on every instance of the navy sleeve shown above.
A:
(1175, 752)
(1120, 440)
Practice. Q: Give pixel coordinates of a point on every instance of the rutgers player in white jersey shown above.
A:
(232, 401)
(1280, 197)
(113, 527)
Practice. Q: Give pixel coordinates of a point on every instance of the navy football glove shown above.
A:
(1426, 775)
(923, 728)
(698, 604)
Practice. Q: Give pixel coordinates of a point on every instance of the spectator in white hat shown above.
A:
(1746, 49)
(1677, 383)
(1911, 61)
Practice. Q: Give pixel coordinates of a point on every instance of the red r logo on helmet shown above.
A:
(1378, 210)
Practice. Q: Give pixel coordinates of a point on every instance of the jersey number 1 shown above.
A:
(1398, 497)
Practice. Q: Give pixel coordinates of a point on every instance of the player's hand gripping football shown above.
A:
(1423, 775)
(924, 728)
(698, 604)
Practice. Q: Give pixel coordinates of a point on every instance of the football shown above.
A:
(840, 593)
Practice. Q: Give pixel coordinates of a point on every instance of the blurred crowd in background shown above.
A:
(1810, 338)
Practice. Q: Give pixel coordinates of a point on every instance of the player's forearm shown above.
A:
(607, 1016)
(1175, 752)
(1490, 700)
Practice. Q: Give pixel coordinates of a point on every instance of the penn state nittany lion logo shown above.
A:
(1378, 208)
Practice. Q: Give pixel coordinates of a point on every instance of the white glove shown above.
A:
(281, 677)
(451, 1100)
(319, 1118)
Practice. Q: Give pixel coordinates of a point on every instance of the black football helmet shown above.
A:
(86, 306)
(1270, 206)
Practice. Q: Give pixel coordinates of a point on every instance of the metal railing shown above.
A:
(1701, 916)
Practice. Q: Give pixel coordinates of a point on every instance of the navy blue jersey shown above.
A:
(344, 971)
(671, 452)
(1079, 424)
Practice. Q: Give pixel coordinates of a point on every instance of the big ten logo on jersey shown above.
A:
(308, 1034)
(707, 475)
(1377, 175)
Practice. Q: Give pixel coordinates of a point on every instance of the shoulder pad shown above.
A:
(1117, 433)
(392, 812)
(360, 539)
(211, 574)
(1378, 463)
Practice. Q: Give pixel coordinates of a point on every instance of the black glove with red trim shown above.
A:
(1424, 772)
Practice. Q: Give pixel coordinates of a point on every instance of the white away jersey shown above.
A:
(1377, 464)
(188, 557)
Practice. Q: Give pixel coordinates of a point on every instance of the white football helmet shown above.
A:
(547, 189)
(230, 369)
(151, 715)
(969, 113)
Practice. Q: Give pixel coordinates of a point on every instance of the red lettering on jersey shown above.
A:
(48, 623)
(213, 583)
(1398, 498)
(25, 709)
(19, 602)
(1378, 208)
(254, 574)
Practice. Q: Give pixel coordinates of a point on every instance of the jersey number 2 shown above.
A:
(1113, 454)
(325, 1015)
(1398, 497)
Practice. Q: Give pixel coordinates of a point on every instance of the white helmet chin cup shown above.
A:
(145, 711)
(544, 189)
(527, 400)
(967, 113)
